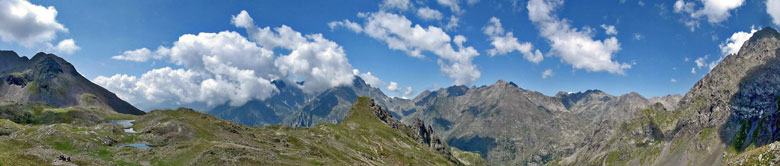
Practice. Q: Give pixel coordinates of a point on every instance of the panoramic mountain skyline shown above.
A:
(205, 54)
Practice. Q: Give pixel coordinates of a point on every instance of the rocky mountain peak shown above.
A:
(49, 79)
(9, 59)
(767, 32)
(502, 83)
(716, 89)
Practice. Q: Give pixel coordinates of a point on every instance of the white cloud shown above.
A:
(393, 87)
(403, 92)
(773, 9)
(402, 5)
(408, 91)
(369, 78)
(609, 29)
(733, 43)
(715, 11)
(693, 70)
(452, 4)
(142, 54)
(700, 62)
(28, 24)
(400, 34)
(429, 14)
(226, 67)
(574, 46)
(686, 59)
(453, 23)
(505, 42)
(547, 74)
(321, 62)
(67, 46)
(355, 27)
(730, 46)
(673, 80)
(638, 36)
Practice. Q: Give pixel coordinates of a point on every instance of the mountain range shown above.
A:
(50, 113)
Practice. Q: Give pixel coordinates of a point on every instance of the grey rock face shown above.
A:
(52, 80)
(509, 125)
(417, 130)
(732, 107)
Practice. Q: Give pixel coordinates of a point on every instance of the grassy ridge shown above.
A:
(187, 137)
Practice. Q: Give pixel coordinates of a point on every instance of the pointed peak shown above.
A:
(634, 94)
(765, 33)
(500, 82)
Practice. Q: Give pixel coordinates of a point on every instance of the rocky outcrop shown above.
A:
(418, 131)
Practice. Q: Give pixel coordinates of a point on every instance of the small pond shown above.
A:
(139, 146)
(127, 125)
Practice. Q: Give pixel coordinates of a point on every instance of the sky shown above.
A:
(163, 54)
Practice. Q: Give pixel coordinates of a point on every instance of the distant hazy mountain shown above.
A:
(733, 109)
(292, 107)
(52, 81)
(271, 111)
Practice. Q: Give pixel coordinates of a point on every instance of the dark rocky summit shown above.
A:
(51, 80)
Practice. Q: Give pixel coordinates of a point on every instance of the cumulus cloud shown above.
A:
(28, 24)
(693, 70)
(399, 33)
(730, 46)
(609, 29)
(733, 43)
(505, 42)
(402, 5)
(673, 80)
(429, 14)
(369, 78)
(227, 67)
(715, 11)
(574, 46)
(355, 27)
(773, 9)
(547, 74)
(67, 46)
(403, 92)
(393, 87)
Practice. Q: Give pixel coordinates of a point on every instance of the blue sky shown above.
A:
(654, 38)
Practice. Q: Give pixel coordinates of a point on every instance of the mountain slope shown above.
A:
(731, 110)
(509, 125)
(187, 137)
(51, 80)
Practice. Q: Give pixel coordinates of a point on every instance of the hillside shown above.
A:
(50, 80)
(187, 137)
(733, 109)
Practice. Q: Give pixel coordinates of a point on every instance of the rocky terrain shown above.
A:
(509, 125)
(733, 109)
(186, 137)
(52, 81)
(470, 118)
